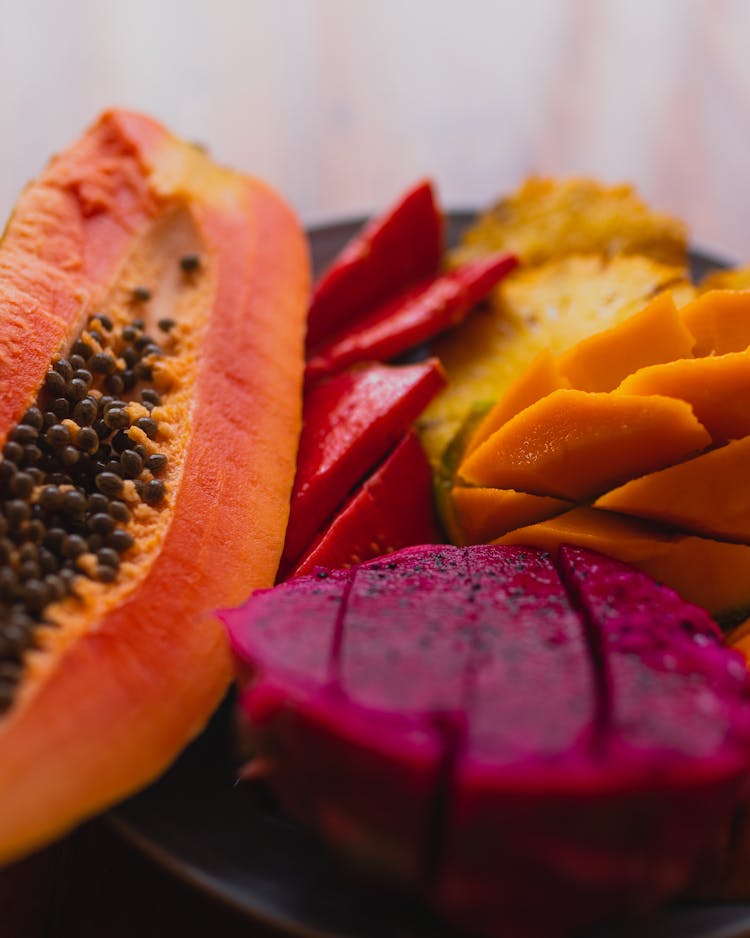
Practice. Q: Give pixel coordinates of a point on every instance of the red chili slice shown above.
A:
(349, 424)
(393, 251)
(410, 318)
(393, 509)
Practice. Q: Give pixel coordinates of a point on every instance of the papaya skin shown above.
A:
(133, 687)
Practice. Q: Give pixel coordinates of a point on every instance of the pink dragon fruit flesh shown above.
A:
(532, 744)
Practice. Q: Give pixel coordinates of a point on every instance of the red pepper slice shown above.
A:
(393, 509)
(391, 252)
(412, 317)
(349, 424)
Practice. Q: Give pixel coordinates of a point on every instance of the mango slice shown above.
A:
(707, 495)
(574, 444)
(656, 334)
(534, 309)
(539, 379)
(717, 388)
(713, 574)
(720, 321)
(484, 514)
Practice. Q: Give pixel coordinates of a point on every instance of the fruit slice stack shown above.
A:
(633, 443)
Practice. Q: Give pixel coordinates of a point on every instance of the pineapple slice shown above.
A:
(549, 218)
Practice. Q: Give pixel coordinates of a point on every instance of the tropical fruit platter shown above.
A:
(464, 521)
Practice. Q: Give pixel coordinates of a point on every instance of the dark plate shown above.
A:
(229, 841)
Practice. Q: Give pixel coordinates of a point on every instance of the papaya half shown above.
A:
(152, 311)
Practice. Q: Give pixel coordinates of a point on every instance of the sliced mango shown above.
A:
(483, 514)
(575, 445)
(535, 382)
(707, 495)
(549, 307)
(720, 321)
(656, 334)
(717, 388)
(713, 574)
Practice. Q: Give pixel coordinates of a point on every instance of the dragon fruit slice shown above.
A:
(531, 750)
(620, 823)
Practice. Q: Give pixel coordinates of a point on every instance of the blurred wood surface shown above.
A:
(341, 103)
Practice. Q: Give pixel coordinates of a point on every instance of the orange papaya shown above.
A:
(152, 316)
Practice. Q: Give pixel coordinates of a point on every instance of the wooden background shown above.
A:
(341, 103)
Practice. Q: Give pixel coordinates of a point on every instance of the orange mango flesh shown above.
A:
(716, 387)
(535, 382)
(483, 514)
(542, 441)
(707, 495)
(575, 445)
(714, 574)
(133, 685)
(656, 334)
(720, 321)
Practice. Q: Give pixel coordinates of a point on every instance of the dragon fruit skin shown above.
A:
(533, 744)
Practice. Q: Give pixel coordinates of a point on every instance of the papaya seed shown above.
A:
(190, 263)
(120, 540)
(154, 492)
(156, 463)
(62, 469)
(108, 483)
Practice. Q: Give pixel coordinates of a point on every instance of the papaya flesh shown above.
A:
(396, 708)
(151, 353)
